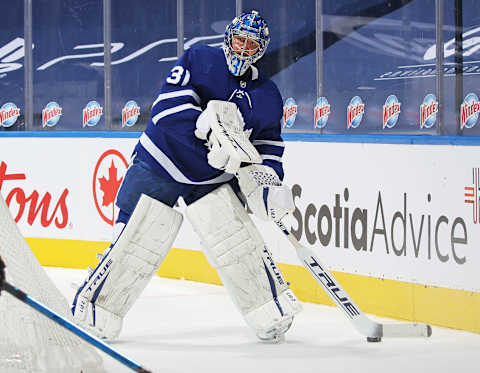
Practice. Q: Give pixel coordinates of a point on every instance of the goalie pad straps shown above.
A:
(234, 246)
(126, 268)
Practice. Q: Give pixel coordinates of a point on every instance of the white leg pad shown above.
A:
(269, 322)
(96, 319)
(235, 247)
(126, 268)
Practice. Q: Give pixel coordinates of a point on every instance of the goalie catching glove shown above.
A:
(221, 125)
(265, 194)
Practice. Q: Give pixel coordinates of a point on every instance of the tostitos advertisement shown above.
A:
(399, 212)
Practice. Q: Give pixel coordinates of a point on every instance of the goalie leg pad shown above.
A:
(234, 246)
(126, 268)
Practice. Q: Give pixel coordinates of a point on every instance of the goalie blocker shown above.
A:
(236, 249)
(221, 124)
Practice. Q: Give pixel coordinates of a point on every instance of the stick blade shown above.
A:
(406, 330)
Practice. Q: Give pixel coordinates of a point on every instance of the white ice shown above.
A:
(182, 326)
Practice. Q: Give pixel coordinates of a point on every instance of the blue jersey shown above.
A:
(200, 75)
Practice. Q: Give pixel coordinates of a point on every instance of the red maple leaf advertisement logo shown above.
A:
(107, 178)
(110, 186)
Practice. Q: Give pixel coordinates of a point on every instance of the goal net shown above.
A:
(30, 342)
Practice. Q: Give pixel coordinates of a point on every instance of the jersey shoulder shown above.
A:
(269, 84)
(201, 55)
(270, 90)
(206, 64)
(201, 49)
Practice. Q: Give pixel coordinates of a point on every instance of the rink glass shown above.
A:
(324, 54)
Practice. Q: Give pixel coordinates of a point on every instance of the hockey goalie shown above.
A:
(214, 134)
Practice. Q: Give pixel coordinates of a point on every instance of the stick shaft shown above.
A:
(341, 298)
(60, 320)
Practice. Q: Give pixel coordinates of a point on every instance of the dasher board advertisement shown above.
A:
(401, 212)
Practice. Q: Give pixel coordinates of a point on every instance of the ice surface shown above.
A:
(181, 326)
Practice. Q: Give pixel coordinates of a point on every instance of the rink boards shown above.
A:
(398, 224)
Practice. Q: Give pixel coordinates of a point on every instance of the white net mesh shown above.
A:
(30, 342)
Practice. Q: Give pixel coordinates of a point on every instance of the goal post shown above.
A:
(30, 342)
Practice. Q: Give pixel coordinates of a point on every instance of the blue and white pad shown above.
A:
(266, 196)
(234, 246)
(126, 268)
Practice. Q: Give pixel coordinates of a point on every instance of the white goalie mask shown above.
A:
(245, 42)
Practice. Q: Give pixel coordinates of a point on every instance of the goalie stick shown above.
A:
(27, 299)
(372, 330)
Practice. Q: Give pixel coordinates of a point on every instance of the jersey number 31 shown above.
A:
(176, 75)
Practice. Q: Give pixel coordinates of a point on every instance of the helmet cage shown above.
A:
(248, 36)
(249, 26)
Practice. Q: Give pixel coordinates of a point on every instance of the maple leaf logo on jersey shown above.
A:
(107, 178)
(110, 186)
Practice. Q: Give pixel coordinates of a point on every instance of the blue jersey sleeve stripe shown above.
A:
(174, 110)
(277, 167)
(271, 150)
(183, 92)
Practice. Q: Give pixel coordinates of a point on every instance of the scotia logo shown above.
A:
(355, 111)
(290, 110)
(428, 111)
(51, 114)
(391, 112)
(130, 114)
(469, 111)
(9, 114)
(91, 114)
(321, 112)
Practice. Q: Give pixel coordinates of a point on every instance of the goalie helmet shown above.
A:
(249, 29)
